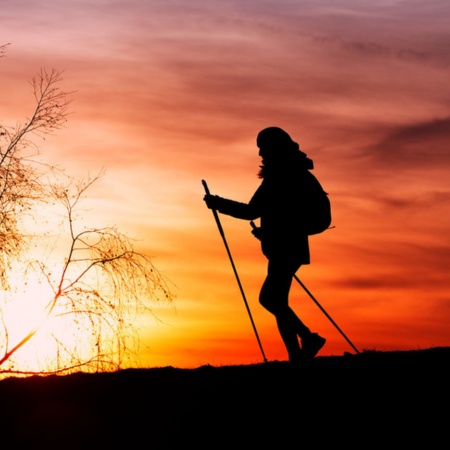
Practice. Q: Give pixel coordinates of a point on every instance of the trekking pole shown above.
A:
(328, 316)
(216, 216)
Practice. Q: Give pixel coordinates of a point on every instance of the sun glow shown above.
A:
(50, 342)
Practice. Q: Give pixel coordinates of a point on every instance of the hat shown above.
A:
(275, 137)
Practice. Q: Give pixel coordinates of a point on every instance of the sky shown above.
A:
(169, 93)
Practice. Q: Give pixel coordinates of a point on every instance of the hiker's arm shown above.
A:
(232, 208)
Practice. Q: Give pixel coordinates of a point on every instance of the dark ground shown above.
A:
(368, 400)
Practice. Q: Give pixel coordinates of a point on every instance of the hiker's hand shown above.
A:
(256, 231)
(212, 201)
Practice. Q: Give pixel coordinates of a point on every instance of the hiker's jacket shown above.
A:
(278, 203)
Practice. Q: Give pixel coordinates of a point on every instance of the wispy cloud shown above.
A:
(418, 145)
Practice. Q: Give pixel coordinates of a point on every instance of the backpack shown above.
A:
(317, 214)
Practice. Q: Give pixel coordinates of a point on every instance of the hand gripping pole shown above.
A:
(219, 226)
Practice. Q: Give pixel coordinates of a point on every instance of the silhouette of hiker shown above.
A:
(277, 202)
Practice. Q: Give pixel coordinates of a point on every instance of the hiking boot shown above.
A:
(312, 344)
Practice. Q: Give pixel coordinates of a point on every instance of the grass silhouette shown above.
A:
(357, 401)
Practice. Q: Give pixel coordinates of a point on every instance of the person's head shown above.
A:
(278, 151)
(275, 145)
(274, 142)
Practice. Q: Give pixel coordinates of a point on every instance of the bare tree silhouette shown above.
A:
(20, 176)
(100, 284)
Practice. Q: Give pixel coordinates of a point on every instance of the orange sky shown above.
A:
(170, 93)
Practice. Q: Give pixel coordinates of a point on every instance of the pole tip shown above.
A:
(205, 186)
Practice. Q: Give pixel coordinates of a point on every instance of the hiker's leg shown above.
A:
(274, 296)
